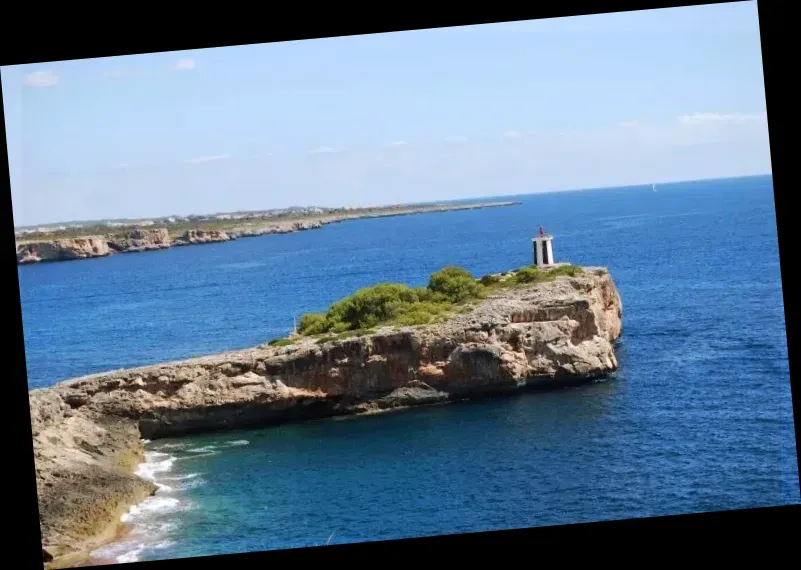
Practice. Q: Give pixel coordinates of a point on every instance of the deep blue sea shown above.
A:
(698, 418)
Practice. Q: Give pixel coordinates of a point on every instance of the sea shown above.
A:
(697, 418)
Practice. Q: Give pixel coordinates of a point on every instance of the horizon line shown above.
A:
(445, 201)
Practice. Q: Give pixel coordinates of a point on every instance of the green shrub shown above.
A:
(529, 275)
(373, 306)
(455, 284)
(369, 306)
(312, 323)
(280, 342)
(419, 313)
(399, 304)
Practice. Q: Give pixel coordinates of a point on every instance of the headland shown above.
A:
(85, 242)
(385, 348)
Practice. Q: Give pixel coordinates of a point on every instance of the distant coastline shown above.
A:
(101, 240)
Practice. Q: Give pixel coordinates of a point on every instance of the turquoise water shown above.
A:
(698, 418)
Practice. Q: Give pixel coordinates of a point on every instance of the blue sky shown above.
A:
(498, 109)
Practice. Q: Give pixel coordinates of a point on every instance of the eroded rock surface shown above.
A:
(62, 249)
(194, 237)
(141, 240)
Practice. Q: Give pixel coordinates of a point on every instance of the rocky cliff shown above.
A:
(194, 237)
(87, 430)
(281, 228)
(57, 250)
(141, 240)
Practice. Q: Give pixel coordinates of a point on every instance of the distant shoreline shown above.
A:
(72, 244)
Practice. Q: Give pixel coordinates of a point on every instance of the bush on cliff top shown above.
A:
(454, 284)
(394, 303)
(399, 304)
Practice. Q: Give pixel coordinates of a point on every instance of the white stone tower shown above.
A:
(542, 245)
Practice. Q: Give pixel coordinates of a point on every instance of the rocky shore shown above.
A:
(150, 239)
(88, 431)
(63, 249)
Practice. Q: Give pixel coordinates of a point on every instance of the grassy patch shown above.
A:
(280, 342)
(528, 275)
(571, 270)
(326, 338)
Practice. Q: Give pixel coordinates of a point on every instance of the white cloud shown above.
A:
(184, 64)
(629, 124)
(322, 149)
(398, 143)
(716, 128)
(703, 118)
(41, 79)
(511, 134)
(455, 139)
(200, 159)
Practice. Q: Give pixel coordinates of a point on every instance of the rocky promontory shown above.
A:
(88, 431)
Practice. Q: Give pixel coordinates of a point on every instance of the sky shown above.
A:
(451, 113)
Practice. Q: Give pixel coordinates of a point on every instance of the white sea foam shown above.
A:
(181, 477)
(204, 449)
(147, 530)
(192, 484)
(122, 552)
(196, 455)
(154, 504)
(155, 464)
(176, 445)
(131, 556)
(238, 442)
(155, 455)
(149, 520)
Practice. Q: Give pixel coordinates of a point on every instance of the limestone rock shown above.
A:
(193, 237)
(62, 249)
(141, 240)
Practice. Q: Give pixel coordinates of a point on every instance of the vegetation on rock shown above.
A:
(448, 290)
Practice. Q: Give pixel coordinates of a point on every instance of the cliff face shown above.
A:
(192, 237)
(86, 430)
(141, 240)
(285, 228)
(99, 246)
(78, 248)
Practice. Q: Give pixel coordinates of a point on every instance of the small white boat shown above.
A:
(653, 186)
